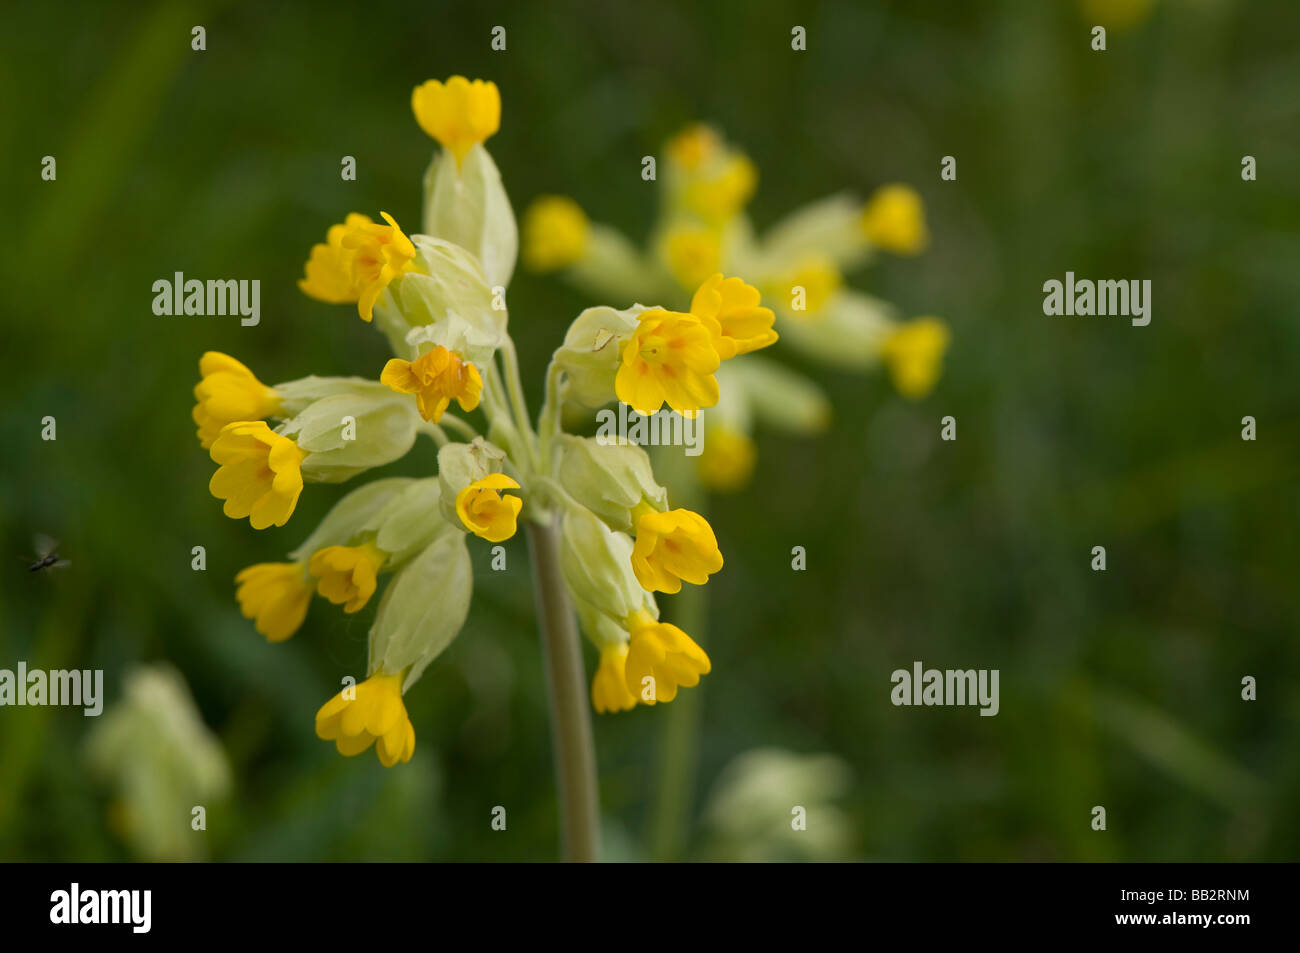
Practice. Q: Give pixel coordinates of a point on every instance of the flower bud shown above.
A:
(423, 608)
(609, 479)
(468, 206)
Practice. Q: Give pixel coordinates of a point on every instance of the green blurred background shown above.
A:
(1119, 689)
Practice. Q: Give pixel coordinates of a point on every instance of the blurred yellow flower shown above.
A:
(663, 654)
(894, 219)
(914, 354)
(436, 378)
(347, 575)
(276, 596)
(692, 254)
(228, 392)
(731, 310)
(485, 512)
(717, 198)
(818, 278)
(609, 685)
(693, 147)
(459, 114)
(375, 712)
(670, 358)
(727, 460)
(555, 233)
(259, 473)
(673, 547)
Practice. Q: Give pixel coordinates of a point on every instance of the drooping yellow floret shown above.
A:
(374, 712)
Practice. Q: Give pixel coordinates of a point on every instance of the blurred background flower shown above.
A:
(165, 768)
(770, 804)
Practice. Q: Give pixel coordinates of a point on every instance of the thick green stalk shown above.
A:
(575, 753)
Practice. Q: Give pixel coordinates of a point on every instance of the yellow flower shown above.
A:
(819, 279)
(485, 512)
(914, 353)
(717, 198)
(894, 219)
(672, 547)
(693, 146)
(436, 378)
(727, 461)
(555, 233)
(375, 713)
(670, 358)
(380, 253)
(276, 595)
(259, 473)
(228, 392)
(359, 260)
(459, 114)
(609, 685)
(665, 655)
(347, 575)
(692, 254)
(730, 308)
(328, 275)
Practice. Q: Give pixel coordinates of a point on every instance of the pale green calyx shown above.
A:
(777, 395)
(451, 305)
(592, 349)
(830, 228)
(468, 207)
(350, 517)
(362, 426)
(423, 608)
(409, 521)
(610, 479)
(849, 332)
(597, 565)
(611, 267)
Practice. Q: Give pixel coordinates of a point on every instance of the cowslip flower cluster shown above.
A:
(438, 296)
(799, 266)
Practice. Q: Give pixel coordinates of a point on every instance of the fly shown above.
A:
(47, 554)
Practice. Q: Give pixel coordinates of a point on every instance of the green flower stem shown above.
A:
(575, 753)
(677, 760)
(679, 746)
(515, 389)
(462, 427)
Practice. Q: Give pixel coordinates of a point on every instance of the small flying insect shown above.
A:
(47, 554)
